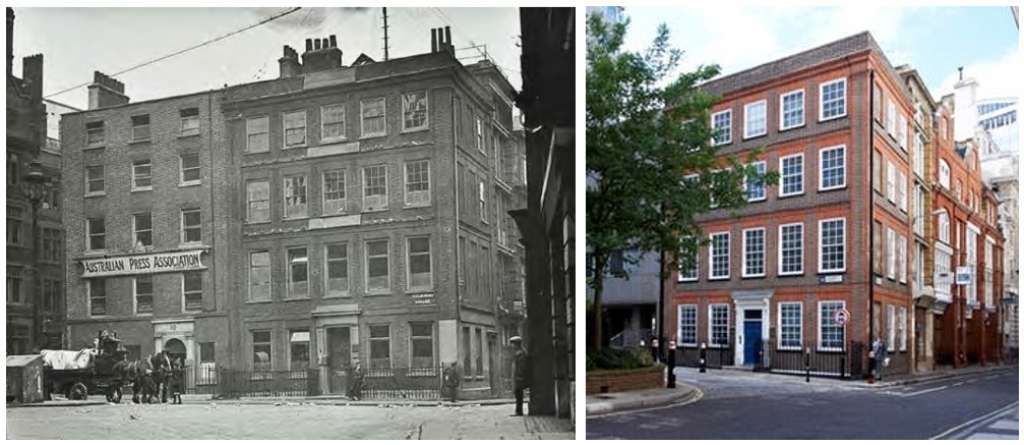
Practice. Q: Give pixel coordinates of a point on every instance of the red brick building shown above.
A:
(821, 263)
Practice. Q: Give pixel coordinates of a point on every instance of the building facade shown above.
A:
(35, 272)
(785, 276)
(335, 215)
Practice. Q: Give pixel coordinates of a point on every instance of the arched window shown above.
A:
(943, 226)
(944, 173)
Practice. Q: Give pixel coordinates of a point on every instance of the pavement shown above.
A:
(308, 420)
(599, 404)
(1000, 425)
(740, 404)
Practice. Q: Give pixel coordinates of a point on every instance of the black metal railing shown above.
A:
(402, 384)
(816, 363)
(235, 383)
(715, 358)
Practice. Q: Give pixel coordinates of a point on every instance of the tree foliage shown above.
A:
(651, 167)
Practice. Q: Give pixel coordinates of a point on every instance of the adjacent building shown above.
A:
(339, 214)
(834, 257)
(35, 270)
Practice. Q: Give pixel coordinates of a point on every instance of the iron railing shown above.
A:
(402, 383)
(715, 358)
(817, 363)
(235, 383)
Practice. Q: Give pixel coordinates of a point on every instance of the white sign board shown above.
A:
(143, 264)
(841, 316)
(964, 275)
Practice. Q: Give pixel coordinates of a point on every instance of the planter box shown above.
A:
(618, 380)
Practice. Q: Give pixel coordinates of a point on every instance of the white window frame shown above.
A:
(901, 247)
(135, 295)
(181, 216)
(142, 188)
(285, 180)
(89, 297)
(344, 123)
(890, 181)
(890, 253)
(821, 102)
(270, 275)
(943, 226)
(405, 175)
(408, 263)
(362, 120)
(366, 266)
(728, 134)
(363, 186)
(102, 179)
(324, 209)
(426, 119)
(782, 177)
(800, 326)
(890, 325)
(747, 134)
(88, 235)
(711, 256)
(248, 133)
(679, 324)
(201, 291)
(348, 269)
(901, 131)
(284, 130)
(288, 295)
(821, 172)
(820, 325)
(821, 224)
(711, 324)
(135, 229)
(802, 247)
(901, 190)
(248, 204)
(782, 109)
(760, 166)
(696, 270)
(764, 247)
(890, 117)
(944, 173)
(181, 170)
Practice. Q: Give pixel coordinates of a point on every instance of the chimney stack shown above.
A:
(289, 63)
(10, 40)
(961, 70)
(321, 54)
(433, 40)
(32, 75)
(105, 91)
(441, 40)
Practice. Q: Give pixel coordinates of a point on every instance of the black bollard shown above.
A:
(807, 364)
(703, 357)
(671, 359)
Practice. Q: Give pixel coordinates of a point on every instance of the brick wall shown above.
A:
(625, 380)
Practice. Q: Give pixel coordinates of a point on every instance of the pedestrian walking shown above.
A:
(451, 380)
(355, 381)
(521, 372)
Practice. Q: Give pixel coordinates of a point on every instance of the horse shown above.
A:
(147, 376)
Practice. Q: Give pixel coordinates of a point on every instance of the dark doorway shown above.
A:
(338, 357)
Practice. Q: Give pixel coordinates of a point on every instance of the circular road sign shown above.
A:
(841, 316)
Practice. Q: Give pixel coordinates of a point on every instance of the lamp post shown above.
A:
(35, 187)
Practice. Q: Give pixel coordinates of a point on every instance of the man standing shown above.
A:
(521, 372)
(451, 380)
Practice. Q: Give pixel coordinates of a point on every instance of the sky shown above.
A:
(77, 41)
(935, 40)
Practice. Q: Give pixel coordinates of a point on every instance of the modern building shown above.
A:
(335, 215)
(547, 223)
(629, 297)
(786, 276)
(35, 271)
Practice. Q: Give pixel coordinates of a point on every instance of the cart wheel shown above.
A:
(78, 391)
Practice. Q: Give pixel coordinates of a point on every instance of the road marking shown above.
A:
(923, 391)
(972, 422)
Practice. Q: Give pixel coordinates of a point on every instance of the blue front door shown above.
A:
(751, 341)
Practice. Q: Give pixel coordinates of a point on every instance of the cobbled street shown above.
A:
(281, 421)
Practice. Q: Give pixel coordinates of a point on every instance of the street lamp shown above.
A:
(35, 187)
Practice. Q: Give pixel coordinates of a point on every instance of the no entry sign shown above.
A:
(841, 316)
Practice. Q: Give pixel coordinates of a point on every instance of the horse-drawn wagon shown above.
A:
(77, 374)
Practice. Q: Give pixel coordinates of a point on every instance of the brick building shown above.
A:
(35, 272)
(333, 215)
(823, 262)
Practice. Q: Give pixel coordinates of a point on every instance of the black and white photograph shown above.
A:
(291, 223)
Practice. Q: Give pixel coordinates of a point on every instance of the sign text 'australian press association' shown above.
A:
(143, 264)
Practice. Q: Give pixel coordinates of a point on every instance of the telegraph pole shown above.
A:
(385, 33)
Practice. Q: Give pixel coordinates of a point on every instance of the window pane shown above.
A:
(259, 201)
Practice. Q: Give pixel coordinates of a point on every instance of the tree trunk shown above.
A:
(599, 264)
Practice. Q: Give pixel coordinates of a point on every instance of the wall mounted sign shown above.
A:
(143, 264)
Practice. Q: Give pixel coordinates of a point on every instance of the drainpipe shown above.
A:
(871, 212)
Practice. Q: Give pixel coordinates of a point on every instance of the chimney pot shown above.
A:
(448, 36)
(961, 70)
(316, 44)
(334, 41)
(433, 40)
(309, 45)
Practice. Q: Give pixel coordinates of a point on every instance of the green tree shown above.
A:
(651, 166)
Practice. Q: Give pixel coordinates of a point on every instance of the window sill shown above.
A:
(765, 198)
(333, 140)
(148, 189)
(187, 136)
(95, 146)
(820, 349)
(259, 301)
(248, 152)
(422, 290)
(337, 295)
(718, 278)
(688, 280)
(754, 136)
(417, 206)
(374, 210)
(831, 118)
(98, 252)
(833, 188)
(791, 195)
(296, 298)
(372, 136)
(293, 147)
(415, 130)
(294, 218)
(190, 184)
(753, 276)
(794, 127)
(791, 274)
(95, 194)
(378, 293)
(831, 272)
(140, 141)
(190, 245)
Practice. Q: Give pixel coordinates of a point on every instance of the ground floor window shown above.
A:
(790, 325)
(890, 331)
(261, 353)
(298, 350)
(718, 329)
(831, 335)
(421, 344)
(380, 347)
(687, 316)
(467, 353)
